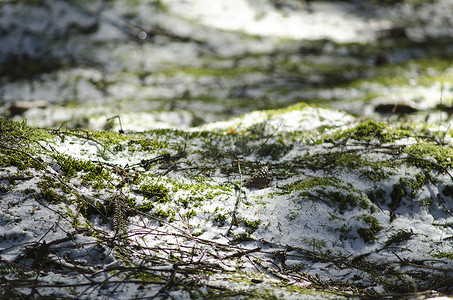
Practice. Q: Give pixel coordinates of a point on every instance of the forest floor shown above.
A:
(175, 149)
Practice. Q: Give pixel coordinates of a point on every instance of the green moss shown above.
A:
(429, 71)
(220, 219)
(19, 159)
(252, 225)
(443, 254)
(146, 207)
(369, 234)
(70, 166)
(47, 187)
(406, 188)
(146, 145)
(19, 145)
(295, 107)
(317, 188)
(371, 130)
(214, 72)
(157, 192)
(273, 150)
(398, 237)
(164, 214)
(189, 214)
(311, 182)
(91, 174)
(426, 151)
(110, 138)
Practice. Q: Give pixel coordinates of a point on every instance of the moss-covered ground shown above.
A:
(356, 197)
(123, 183)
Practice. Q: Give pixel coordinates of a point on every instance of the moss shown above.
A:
(398, 237)
(295, 107)
(343, 196)
(47, 187)
(273, 150)
(311, 182)
(406, 188)
(96, 178)
(164, 214)
(429, 71)
(146, 145)
(426, 151)
(189, 214)
(19, 159)
(251, 225)
(148, 206)
(70, 166)
(109, 138)
(369, 234)
(220, 219)
(443, 254)
(19, 145)
(20, 134)
(214, 72)
(155, 192)
(371, 130)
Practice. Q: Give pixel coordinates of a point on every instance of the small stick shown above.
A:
(119, 120)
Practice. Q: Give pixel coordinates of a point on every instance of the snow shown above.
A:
(337, 21)
(301, 220)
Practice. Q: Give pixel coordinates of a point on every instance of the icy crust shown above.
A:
(351, 208)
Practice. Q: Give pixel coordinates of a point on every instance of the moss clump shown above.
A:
(146, 207)
(311, 182)
(251, 225)
(191, 213)
(406, 188)
(157, 192)
(443, 254)
(19, 159)
(369, 234)
(370, 131)
(19, 143)
(147, 145)
(398, 237)
(425, 152)
(109, 138)
(47, 187)
(331, 191)
(220, 219)
(70, 166)
(273, 150)
(164, 214)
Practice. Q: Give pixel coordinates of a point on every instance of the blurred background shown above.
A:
(179, 64)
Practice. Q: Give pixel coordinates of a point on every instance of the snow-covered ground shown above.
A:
(351, 207)
(173, 63)
(361, 205)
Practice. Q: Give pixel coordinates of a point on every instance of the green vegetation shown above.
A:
(178, 180)
(369, 234)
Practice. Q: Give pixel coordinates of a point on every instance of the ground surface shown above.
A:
(223, 181)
